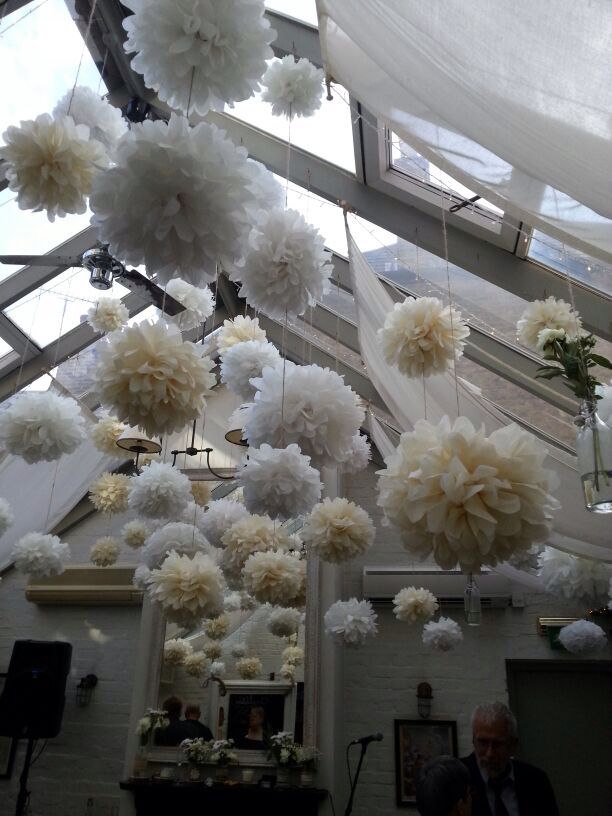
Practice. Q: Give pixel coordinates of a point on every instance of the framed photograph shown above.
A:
(416, 742)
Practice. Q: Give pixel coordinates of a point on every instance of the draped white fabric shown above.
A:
(512, 99)
(575, 529)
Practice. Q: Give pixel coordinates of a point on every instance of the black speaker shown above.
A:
(32, 701)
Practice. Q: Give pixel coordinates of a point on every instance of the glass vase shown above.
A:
(283, 775)
(307, 777)
(594, 452)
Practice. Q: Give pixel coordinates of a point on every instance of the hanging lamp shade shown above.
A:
(134, 440)
(235, 437)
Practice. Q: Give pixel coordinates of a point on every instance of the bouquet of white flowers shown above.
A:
(152, 721)
(209, 752)
(307, 756)
(221, 752)
(283, 749)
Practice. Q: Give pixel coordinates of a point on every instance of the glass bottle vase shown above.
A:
(594, 452)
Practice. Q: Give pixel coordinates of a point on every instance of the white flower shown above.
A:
(160, 491)
(547, 336)
(188, 588)
(85, 107)
(108, 315)
(284, 622)
(199, 303)
(41, 426)
(442, 635)
(582, 636)
(274, 577)
(466, 498)
(51, 164)
(6, 516)
(573, 577)
(243, 361)
(239, 330)
(176, 650)
(287, 672)
(109, 493)
(351, 622)
(293, 655)
(232, 602)
(542, 315)
(526, 560)
(135, 533)
(175, 536)
(249, 667)
(238, 650)
(249, 535)
(293, 88)
(153, 379)
(195, 664)
(358, 454)
(306, 405)
(141, 577)
(104, 552)
(279, 482)
(212, 650)
(217, 628)
(40, 555)
(217, 669)
(199, 54)
(422, 337)
(338, 530)
(219, 517)
(412, 604)
(105, 433)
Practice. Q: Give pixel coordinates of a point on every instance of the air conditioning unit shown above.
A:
(381, 584)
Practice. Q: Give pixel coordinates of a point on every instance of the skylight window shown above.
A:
(304, 10)
(567, 260)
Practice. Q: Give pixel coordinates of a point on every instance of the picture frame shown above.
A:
(8, 746)
(416, 742)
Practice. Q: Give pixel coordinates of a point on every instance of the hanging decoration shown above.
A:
(141, 577)
(443, 635)
(239, 330)
(217, 628)
(201, 492)
(544, 321)
(199, 303)
(40, 555)
(187, 588)
(249, 667)
(267, 191)
(358, 455)
(105, 433)
(212, 650)
(232, 602)
(249, 535)
(196, 664)
(219, 517)
(238, 650)
(287, 672)
(284, 621)
(104, 552)
(7, 517)
(293, 87)
(351, 622)
(412, 604)
(85, 107)
(218, 669)
(109, 493)
(243, 361)
(108, 315)
(582, 637)
(527, 560)
(338, 530)
(574, 577)
(160, 491)
(173, 537)
(274, 577)
(293, 655)
(135, 533)
(176, 651)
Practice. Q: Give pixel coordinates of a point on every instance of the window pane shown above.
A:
(305, 10)
(570, 261)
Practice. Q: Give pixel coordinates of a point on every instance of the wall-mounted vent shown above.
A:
(87, 585)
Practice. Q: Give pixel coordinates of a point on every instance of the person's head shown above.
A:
(443, 788)
(494, 736)
(257, 716)
(192, 712)
(173, 706)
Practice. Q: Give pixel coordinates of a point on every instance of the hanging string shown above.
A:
(23, 16)
(26, 348)
(288, 159)
(450, 304)
(284, 354)
(85, 38)
(193, 71)
(102, 71)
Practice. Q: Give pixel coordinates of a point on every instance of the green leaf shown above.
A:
(601, 361)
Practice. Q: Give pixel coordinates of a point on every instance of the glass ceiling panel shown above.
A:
(304, 10)
(569, 261)
(4, 349)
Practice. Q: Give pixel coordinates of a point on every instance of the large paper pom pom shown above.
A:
(412, 604)
(199, 303)
(176, 651)
(422, 337)
(109, 493)
(6, 516)
(141, 577)
(175, 536)
(219, 517)
(239, 330)
(582, 636)
(306, 405)
(217, 628)
(358, 455)
(274, 577)
(213, 650)
(232, 602)
(338, 530)
(243, 361)
(41, 426)
(293, 88)
(195, 664)
(51, 164)
(266, 189)
(466, 498)
(202, 54)
(249, 667)
(527, 560)
(178, 200)
(249, 535)
(188, 589)
(351, 622)
(573, 577)
(293, 655)
(279, 482)
(547, 320)
(40, 555)
(104, 552)
(108, 315)
(286, 268)
(201, 492)
(160, 491)
(135, 533)
(442, 635)
(239, 650)
(153, 379)
(287, 672)
(284, 622)
(105, 433)
(85, 107)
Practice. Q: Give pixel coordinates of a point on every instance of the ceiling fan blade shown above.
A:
(150, 291)
(42, 260)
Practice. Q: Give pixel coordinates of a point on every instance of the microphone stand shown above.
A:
(349, 806)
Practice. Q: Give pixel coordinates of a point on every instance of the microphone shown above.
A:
(367, 740)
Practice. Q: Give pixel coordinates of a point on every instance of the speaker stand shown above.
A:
(22, 798)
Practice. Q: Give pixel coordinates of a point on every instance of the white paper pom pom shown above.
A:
(105, 433)
(243, 361)
(284, 622)
(249, 535)
(199, 303)
(293, 88)
(274, 577)
(287, 672)
(412, 604)
(527, 560)
(313, 409)
(176, 650)
(108, 315)
(160, 491)
(109, 493)
(266, 189)
(212, 650)
(238, 650)
(85, 107)
(351, 622)
(239, 330)
(175, 536)
(338, 530)
(188, 589)
(195, 664)
(134, 533)
(6, 516)
(546, 320)
(141, 577)
(279, 482)
(41, 426)
(249, 667)
(232, 602)
(217, 669)
(582, 636)
(358, 454)
(573, 577)
(104, 552)
(293, 655)
(217, 628)
(51, 164)
(442, 635)
(40, 555)
(219, 517)
(286, 268)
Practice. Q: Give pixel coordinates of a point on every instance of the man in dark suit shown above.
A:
(502, 785)
(443, 788)
(192, 727)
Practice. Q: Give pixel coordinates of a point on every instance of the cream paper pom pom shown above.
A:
(351, 622)
(249, 535)
(160, 491)
(105, 433)
(412, 604)
(85, 107)
(293, 655)
(6, 516)
(108, 315)
(104, 552)
(141, 577)
(582, 636)
(199, 304)
(466, 498)
(212, 650)
(442, 635)
(200, 54)
(338, 530)
(187, 588)
(201, 492)
(176, 650)
(217, 628)
(293, 88)
(51, 164)
(422, 337)
(547, 320)
(274, 577)
(279, 482)
(238, 650)
(219, 517)
(313, 409)
(40, 555)
(284, 622)
(109, 493)
(153, 379)
(195, 664)
(135, 533)
(358, 454)
(232, 602)
(175, 536)
(527, 560)
(249, 667)
(217, 669)
(573, 577)
(41, 426)
(243, 361)
(239, 330)
(287, 672)
(247, 602)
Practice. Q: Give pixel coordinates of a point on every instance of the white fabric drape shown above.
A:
(512, 99)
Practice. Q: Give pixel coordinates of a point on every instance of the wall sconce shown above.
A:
(424, 697)
(84, 690)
